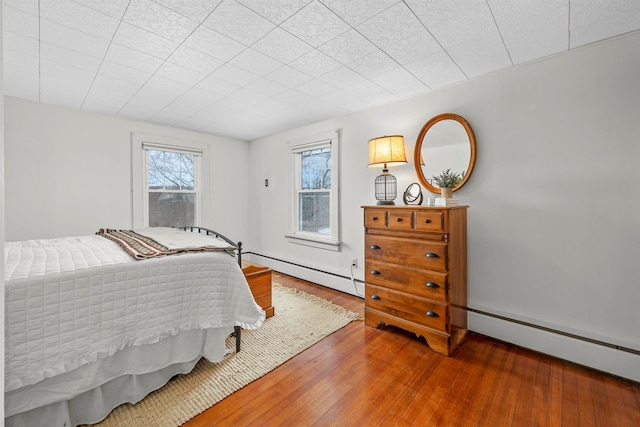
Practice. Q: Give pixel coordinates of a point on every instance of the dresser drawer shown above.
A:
(430, 255)
(407, 307)
(422, 283)
(401, 220)
(430, 221)
(375, 218)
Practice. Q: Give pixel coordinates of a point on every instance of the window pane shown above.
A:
(313, 209)
(315, 169)
(171, 171)
(171, 209)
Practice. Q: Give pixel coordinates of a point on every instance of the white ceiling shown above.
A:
(250, 68)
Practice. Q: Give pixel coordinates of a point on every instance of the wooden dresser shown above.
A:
(416, 271)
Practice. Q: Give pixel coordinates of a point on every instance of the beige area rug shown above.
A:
(300, 321)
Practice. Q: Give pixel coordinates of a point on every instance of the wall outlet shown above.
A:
(354, 262)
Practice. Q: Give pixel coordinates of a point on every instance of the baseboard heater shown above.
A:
(480, 312)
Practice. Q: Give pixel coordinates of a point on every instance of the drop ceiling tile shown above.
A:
(104, 84)
(288, 76)
(356, 12)
(105, 101)
(113, 8)
(400, 83)
(282, 46)
(195, 60)
(216, 85)
(436, 70)
(293, 97)
(341, 77)
(380, 97)
(238, 22)
(168, 85)
(213, 44)
(124, 73)
(276, 12)
(28, 6)
(346, 102)
(20, 22)
(467, 31)
(256, 62)
(144, 41)
(315, 64)
(66, 93)
(315, 88)
(71, 39)
(266, 87)
(373, 64)
(180, 74)
(25, 81)
(404, 37)
(348, 47)
(593, 20)
(132, 58)
(245, 98)
(315, 24)
(154, 97)
(138, 111)
(234, 75)
(63, 71)
(153, 17)
(21, 46)
(194, 10)
(69, 57)
(192, 102)
(532, 30)
(78, 17)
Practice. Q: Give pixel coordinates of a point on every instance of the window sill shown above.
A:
(315, 242)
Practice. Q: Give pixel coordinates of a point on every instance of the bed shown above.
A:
(92, 322)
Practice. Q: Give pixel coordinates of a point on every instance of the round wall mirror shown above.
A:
(445, 143)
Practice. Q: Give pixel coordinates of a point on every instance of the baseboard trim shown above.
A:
(614, 359)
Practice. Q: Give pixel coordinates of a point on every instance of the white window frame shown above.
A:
(296, 147)
(140, 144)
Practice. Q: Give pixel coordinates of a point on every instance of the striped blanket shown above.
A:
(140, 245)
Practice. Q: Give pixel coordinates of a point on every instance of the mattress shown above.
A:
(75, 301)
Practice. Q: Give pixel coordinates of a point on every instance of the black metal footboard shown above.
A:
(237, 330)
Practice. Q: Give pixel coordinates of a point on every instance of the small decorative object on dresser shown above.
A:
(416, 271)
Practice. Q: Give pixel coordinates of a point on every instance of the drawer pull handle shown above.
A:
(432, 314)
(431, 255)
(375, 218)
(427, 221)
(375, 272)
(374, 296)
(374, 247)
(399, 219)
(432, 285)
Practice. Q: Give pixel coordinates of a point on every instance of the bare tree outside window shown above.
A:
(172, 188)
(315, 190)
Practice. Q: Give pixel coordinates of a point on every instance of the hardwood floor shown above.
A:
(362, 376)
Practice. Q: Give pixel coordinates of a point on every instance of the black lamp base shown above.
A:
(386, 202)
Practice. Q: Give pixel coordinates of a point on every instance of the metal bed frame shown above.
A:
(237, 330)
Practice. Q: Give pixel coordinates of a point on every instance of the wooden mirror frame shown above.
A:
(418, 149)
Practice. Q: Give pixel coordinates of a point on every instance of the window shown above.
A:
(314, 204)
(172, 194)
(169, 182)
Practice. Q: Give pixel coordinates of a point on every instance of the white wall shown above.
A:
(69, 173)
(1, 219)
(554, 218)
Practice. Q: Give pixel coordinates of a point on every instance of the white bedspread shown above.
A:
(72, 301)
